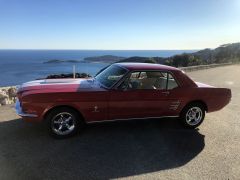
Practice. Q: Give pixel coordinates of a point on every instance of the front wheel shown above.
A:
(63, 122)
(193, 115)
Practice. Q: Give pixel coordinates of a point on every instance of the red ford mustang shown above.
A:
(121, 91)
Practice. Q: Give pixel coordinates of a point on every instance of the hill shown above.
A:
(223, 54)
(105, 58)
(55, 61)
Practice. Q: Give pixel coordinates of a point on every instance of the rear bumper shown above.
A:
(20, 112)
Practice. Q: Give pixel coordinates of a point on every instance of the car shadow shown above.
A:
(102, 151)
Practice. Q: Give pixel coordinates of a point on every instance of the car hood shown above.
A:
(61, 85)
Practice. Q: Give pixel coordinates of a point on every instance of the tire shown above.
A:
(192, 115)
(63, 122)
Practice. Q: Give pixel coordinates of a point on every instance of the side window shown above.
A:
(149, 80)
(134, 80)
(135, 75)
(171, 82)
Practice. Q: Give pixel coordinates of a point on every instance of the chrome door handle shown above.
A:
(166, 92)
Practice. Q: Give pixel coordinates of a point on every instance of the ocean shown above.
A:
(19, 66)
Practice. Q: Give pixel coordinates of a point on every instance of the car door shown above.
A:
(141, 99)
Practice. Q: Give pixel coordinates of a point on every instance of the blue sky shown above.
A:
(123, 24)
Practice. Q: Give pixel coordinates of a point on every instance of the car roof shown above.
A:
(146, 66)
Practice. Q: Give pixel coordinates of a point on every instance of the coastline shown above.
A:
(22, 65)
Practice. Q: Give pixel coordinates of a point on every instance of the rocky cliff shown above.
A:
(8, 95)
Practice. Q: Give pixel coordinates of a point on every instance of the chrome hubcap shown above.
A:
(194, 116)
(63, 123)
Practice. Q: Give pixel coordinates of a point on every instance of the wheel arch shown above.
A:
(63, 106)
(196, 101)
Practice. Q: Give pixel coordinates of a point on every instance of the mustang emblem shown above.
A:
(95, 109)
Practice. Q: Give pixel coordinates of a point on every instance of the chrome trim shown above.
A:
(129, 119)
(19, 111)
(63, 123)
(174, 105)
(194, 116)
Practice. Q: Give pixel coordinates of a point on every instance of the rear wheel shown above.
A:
(63, 122)
(193, 115)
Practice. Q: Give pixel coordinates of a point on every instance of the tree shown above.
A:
(150, 60)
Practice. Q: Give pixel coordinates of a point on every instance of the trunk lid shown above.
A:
(199, 84)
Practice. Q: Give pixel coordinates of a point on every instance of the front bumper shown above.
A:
(19, 111)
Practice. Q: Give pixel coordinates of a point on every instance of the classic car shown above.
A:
(121, 91)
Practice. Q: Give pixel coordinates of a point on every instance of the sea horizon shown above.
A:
(102, 49)
(22, 65)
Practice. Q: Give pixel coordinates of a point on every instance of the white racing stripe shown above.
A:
(57, 81)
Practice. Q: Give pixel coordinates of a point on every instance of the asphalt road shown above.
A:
(146, 149)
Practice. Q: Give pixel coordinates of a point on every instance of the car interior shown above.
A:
(151, 80)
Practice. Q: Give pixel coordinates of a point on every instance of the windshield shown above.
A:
(110, 75)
